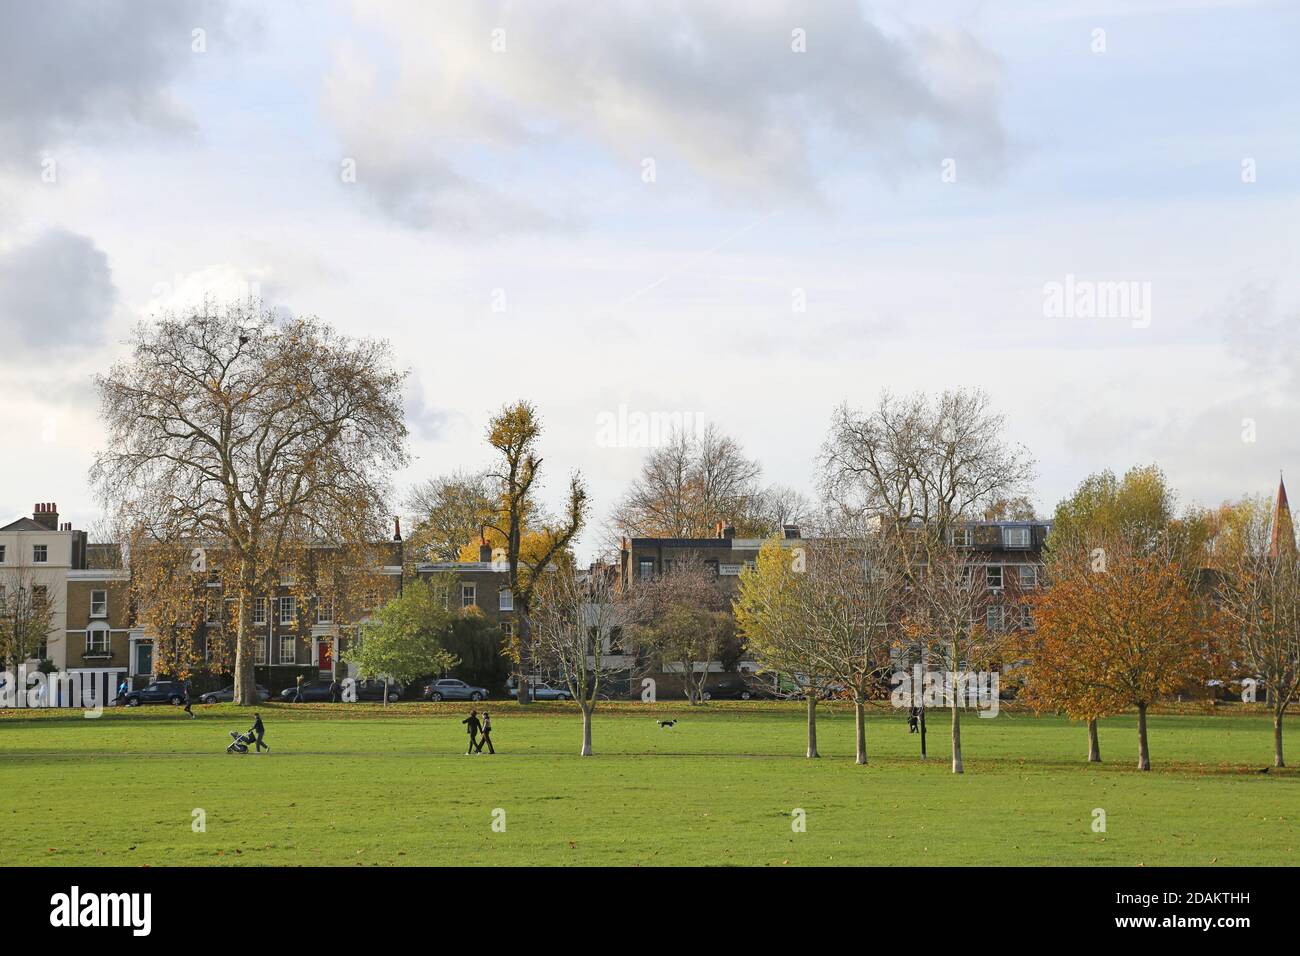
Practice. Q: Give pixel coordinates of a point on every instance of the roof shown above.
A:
(26, 524)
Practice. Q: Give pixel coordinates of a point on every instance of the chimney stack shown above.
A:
(728, 532)
(789, 531)
(397, 528)
(46, 513)
(484, 550)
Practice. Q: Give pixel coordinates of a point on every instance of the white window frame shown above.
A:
(40, 554)
(260, 657)
(259, 611)
(1010, 544)
(99, 599)
(95, 632)
(995, 618)
(645, 569)
(287, 612)
(468, 594)
(505, 599)
(292, 656)
(1022, 571)
(988, 577)
(962, 537)
(324, 610)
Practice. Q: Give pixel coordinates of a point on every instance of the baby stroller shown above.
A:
(239, 742)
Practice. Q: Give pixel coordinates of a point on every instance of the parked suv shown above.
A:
(448, 688)
(159, 692)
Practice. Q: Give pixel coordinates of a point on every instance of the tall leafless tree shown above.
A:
(577, 619)
(230, 426)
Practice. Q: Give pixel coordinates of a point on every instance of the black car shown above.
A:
(227, 694)
(371, 689)
(159, 692)
(737, 690)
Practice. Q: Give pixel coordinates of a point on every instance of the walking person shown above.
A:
(122, 689)
(336, 691)
(472, 726)
(487, 735)
(185, 699)
(258, 730)
(297, 697)
(913, 716)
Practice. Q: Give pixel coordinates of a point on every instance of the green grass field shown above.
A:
(358, 785)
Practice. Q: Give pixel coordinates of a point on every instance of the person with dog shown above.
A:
(472, 726)
(258, 730)
(487, 735)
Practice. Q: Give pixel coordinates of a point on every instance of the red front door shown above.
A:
(324, 656)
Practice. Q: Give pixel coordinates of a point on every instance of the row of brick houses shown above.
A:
(94, 626)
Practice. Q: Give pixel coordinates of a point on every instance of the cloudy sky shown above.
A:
(745, 212)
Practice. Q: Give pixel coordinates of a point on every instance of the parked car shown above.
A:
(544, 691)
(448, 688)
(227, 694)
(313, 692)
(737, 690)
(372, 689)
(159, 692)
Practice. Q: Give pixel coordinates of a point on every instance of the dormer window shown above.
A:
(1015, 537)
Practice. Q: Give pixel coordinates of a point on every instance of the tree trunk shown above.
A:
(1094, 746)
(245, 692)
(812, 727)
(860, 731)
(1277, 739)
(957, 766)
(1144, 755)
(586, 732)
(525, 689)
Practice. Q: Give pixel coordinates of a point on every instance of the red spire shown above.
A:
(1282, 537)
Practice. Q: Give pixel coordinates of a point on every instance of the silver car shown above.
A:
(451, 689)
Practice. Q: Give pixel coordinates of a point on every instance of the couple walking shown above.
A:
(474, 726)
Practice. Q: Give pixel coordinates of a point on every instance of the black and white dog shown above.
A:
(665, 723)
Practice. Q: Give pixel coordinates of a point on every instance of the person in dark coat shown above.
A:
(487, 735)
(258, 730)
(185, 699)
(472, 727)
(913, 717)
(336, 691)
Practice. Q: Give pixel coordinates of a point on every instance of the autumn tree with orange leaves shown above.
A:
(1120, 625)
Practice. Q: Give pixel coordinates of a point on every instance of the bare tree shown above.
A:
(687, 485)
(852, 596)
(227, 426)
(27, 613)
(576, 620)
(1258, 594)
(948, 621)
(921, 465)
(681, 622)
